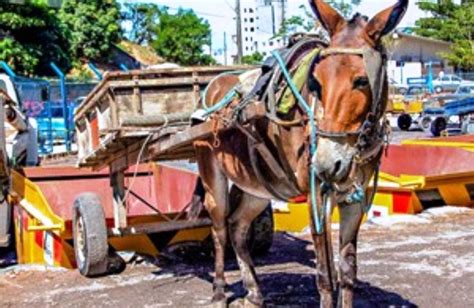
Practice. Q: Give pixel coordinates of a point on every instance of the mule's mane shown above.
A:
(357, 20)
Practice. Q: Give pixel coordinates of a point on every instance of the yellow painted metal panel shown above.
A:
(31, 193)
(138, 243)
(453, 194)
(462, 145)
(385, 200)
(296, 219)
(192, 235)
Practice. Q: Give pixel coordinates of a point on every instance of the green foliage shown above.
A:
(143, 18)
(93, 27)
(32, 37)
(453, 23)
(302, 22)
(307, 22)
(345, 8)
(180, 37)
(253, 59)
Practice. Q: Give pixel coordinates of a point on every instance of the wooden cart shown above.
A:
(137, 117)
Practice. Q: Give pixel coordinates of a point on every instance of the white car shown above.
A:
(447, 83)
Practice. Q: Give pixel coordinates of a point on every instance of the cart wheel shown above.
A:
(90, 235)
(261, 233)
(438, 126)
(425, 123)
(404, 121)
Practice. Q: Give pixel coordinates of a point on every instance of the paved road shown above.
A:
(428, 262)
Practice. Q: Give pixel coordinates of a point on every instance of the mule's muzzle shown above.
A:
(333, 160)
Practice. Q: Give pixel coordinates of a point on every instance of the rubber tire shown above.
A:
(425, 123)
(438, 89)
(260, 238)
(95, 252)
(404, 122)
(438, 126)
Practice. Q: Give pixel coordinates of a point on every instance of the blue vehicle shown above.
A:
(52, 123)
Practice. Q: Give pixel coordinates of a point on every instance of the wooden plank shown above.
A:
(163, 226)
(157, 120)
(151, 77)
(191, 134)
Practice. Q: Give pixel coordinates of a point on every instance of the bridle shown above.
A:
(372, 135)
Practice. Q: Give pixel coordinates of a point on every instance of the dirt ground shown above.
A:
(426, 261)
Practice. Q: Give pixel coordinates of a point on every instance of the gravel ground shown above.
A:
(425, 261)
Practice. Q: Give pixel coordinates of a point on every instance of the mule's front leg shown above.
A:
(351, 218)
(323, 268)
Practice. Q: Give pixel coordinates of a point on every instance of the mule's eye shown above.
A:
(361, 82)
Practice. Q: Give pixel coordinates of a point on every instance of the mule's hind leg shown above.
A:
(249, 207)
(216, 203)
(351, 218)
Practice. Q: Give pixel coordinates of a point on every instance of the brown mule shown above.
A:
(348, 94)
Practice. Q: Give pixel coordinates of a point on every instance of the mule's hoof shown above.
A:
(252, 302)
(219, 301)
(326, 300)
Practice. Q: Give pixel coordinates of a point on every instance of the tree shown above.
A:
(32, 37)
(253, 59)
(345, 8)
(453, 23)
(93, 27)
(143, 18)
(180, 37)
(306, 21)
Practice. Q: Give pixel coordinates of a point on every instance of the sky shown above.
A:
(220, 13)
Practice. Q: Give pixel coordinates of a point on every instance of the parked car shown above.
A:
(447, 83)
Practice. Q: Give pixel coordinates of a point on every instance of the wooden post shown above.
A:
(137, 99)
(113, 109)
(117, 181)
(196, 89)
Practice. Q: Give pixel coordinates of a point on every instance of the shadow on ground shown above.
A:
(279, 285)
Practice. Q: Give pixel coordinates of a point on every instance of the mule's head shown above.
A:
(344, 90)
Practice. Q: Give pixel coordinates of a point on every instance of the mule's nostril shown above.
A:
(337, 167)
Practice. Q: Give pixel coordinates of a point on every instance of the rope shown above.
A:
(135, 172)
(318, 219)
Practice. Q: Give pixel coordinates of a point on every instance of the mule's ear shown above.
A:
(329, 17)
(386, 21)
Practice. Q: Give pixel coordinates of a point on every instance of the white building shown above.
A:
(410, 56)
(261, 22)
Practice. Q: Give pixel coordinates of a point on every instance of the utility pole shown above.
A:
(283, 15)
(240, 50)
(210, 44)
(225, 48)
